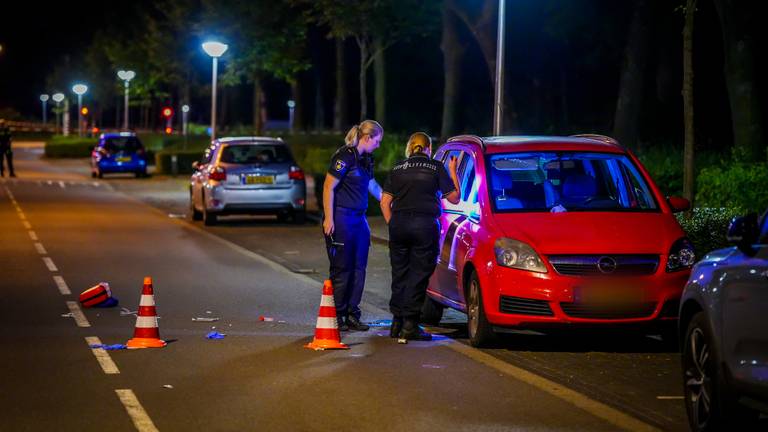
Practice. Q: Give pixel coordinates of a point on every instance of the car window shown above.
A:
(255, 154)
(122, 144)
(467, 177)
(577, 181)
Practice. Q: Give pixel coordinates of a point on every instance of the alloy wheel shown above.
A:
(473, 313)
(698, 382)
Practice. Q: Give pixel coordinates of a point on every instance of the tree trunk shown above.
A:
(629, 101)
(380, 79)
(258, 96)
(453, 54)
(740, 78)
(688, 154)
(364, 54)
(341, 105)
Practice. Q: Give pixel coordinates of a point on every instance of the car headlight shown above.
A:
(681, 255)
(519, 255)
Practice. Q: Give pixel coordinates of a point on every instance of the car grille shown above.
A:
(604, 265)
(524, 306)
(596, 311)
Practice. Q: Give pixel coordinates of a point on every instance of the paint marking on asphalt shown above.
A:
(598, 409)
(670, 397)
(102, 356)
(26, 224)
(137, 413)
(40, 248)
(77, 314)
(62, 185)
(22, 216)
(61, 284)
(49, 263)
(32, 235)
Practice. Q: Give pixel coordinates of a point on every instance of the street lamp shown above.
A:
(57, 97)
(79, 90)
(126, 76)
(498, 102)
(291, 107)
(184, 118)
(215, 50)
(44, 99)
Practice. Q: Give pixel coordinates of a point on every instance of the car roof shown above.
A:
(517, 143)
(250, 140)
(117, 134)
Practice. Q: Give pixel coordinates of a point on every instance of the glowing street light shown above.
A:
(291, 107)
(79, 90)
(58, 97)
(126, 76)
(215, 50)
(44, 99)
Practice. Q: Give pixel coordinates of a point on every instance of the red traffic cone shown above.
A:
(327, 328)
(146, 334)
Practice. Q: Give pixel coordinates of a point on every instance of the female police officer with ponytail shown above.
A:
(411, 206)
(347, 235)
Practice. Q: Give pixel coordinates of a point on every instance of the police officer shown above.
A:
(347, 235)
(411, 205)
(5, 149)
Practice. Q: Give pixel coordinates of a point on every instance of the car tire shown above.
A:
(431, 311)
(479, 329)
(299, 217)
(209, 218)
(196, 214)
(703, 381)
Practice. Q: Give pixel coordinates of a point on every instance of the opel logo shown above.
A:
(606, 265)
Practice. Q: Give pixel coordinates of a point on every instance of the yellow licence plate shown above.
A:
(608, 294)
(124, 159)
(254, 179)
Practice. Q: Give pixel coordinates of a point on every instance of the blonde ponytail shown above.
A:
(418, 142)
(370, 128)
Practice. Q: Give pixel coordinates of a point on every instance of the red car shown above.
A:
(556, 231)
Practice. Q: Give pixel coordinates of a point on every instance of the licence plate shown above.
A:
(608, 294)
(124, 159)
(257, 179)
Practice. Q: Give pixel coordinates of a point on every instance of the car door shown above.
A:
(745, 327)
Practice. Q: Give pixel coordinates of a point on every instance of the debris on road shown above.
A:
(263, 318)
(205, 319)
(109, 347)
(215, 335)
(168, 386)
(431, 366)
(97, 295)
(177, 215)
(126, 312)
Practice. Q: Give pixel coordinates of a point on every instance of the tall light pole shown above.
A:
(291, 107)
(126, 76)
(215, 50)
(79, 90)
(44, 99)
(498, 102)
(184, 118)
(57, 97)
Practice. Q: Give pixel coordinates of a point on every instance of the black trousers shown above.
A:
(413, 249)
(6, 154)
(348, 258)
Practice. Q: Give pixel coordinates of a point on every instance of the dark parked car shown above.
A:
(119, 152)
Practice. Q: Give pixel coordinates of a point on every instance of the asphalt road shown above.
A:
(56, 222)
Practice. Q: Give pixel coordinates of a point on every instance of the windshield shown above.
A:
(567, 181)
(255, 154)
(122, 144)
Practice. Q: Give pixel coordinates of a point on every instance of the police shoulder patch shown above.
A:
(339, 165)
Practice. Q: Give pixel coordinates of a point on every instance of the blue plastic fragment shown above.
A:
(110, 302)
(214, 335)
(109, 347)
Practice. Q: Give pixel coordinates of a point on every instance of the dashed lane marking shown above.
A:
(32, 235)
(61, 284)
(40, 248)
(62, 185)
(77, 314)
(22, 216)
(26, 224)
(137, 413)
(102, 356)
(670, 397)
(49, 263)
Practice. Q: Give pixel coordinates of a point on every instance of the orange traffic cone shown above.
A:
(146, 334)
(327, 328)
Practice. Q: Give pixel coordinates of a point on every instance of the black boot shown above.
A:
(355, 324)
(397, 325)
(412, 331)
(342, 325)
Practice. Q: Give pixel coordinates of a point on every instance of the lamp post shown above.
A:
(126, 76)
(184, 118)
(44, 99)
(215, 50)
(291, 107)
(79, 90)
(498, 102)
(57, 97)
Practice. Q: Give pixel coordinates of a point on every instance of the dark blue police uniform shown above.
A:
(348, 246)
(416, 186)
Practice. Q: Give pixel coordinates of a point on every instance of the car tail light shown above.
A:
(217, 173)
(296, 173)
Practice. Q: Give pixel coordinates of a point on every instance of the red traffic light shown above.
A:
(167, 112)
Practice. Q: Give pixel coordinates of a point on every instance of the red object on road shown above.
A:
(327, 329)
(95, 295)
(147, 333)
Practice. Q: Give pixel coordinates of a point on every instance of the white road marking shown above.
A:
(40, 249)
(49, 263)
(26, 224)
(61, 284)
(50, 182)
(670, 397)
(77, 314)
(22, 216)
(102, 356)
(62, 185)
(32, 235)
(137, 413)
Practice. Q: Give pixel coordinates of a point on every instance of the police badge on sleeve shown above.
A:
(339, 165)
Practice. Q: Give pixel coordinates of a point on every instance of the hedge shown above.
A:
(738, 185)
(69, 147)
(707, 228)
(184, 160)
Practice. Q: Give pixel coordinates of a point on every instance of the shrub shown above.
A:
(736, 186)
(69, 147)
(184, 160)
(707, 227)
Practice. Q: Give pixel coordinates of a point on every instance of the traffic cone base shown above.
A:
(327, 329)
(145, 343)
(324, 344)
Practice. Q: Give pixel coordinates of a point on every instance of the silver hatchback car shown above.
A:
(247, 175)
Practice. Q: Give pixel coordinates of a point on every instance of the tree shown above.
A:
(453, 53)
(688, 152)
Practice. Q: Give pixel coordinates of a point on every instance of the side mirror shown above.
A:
(196, 165)
(678, 204)
(743, 233)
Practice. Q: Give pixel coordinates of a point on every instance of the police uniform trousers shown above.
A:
(413, 249)
(348, 261)
(7, 154)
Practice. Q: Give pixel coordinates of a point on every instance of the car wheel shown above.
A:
(431, 311)
(299, 217)
(208, 217)
(196, 214)
(480, 330)
(708, 400)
